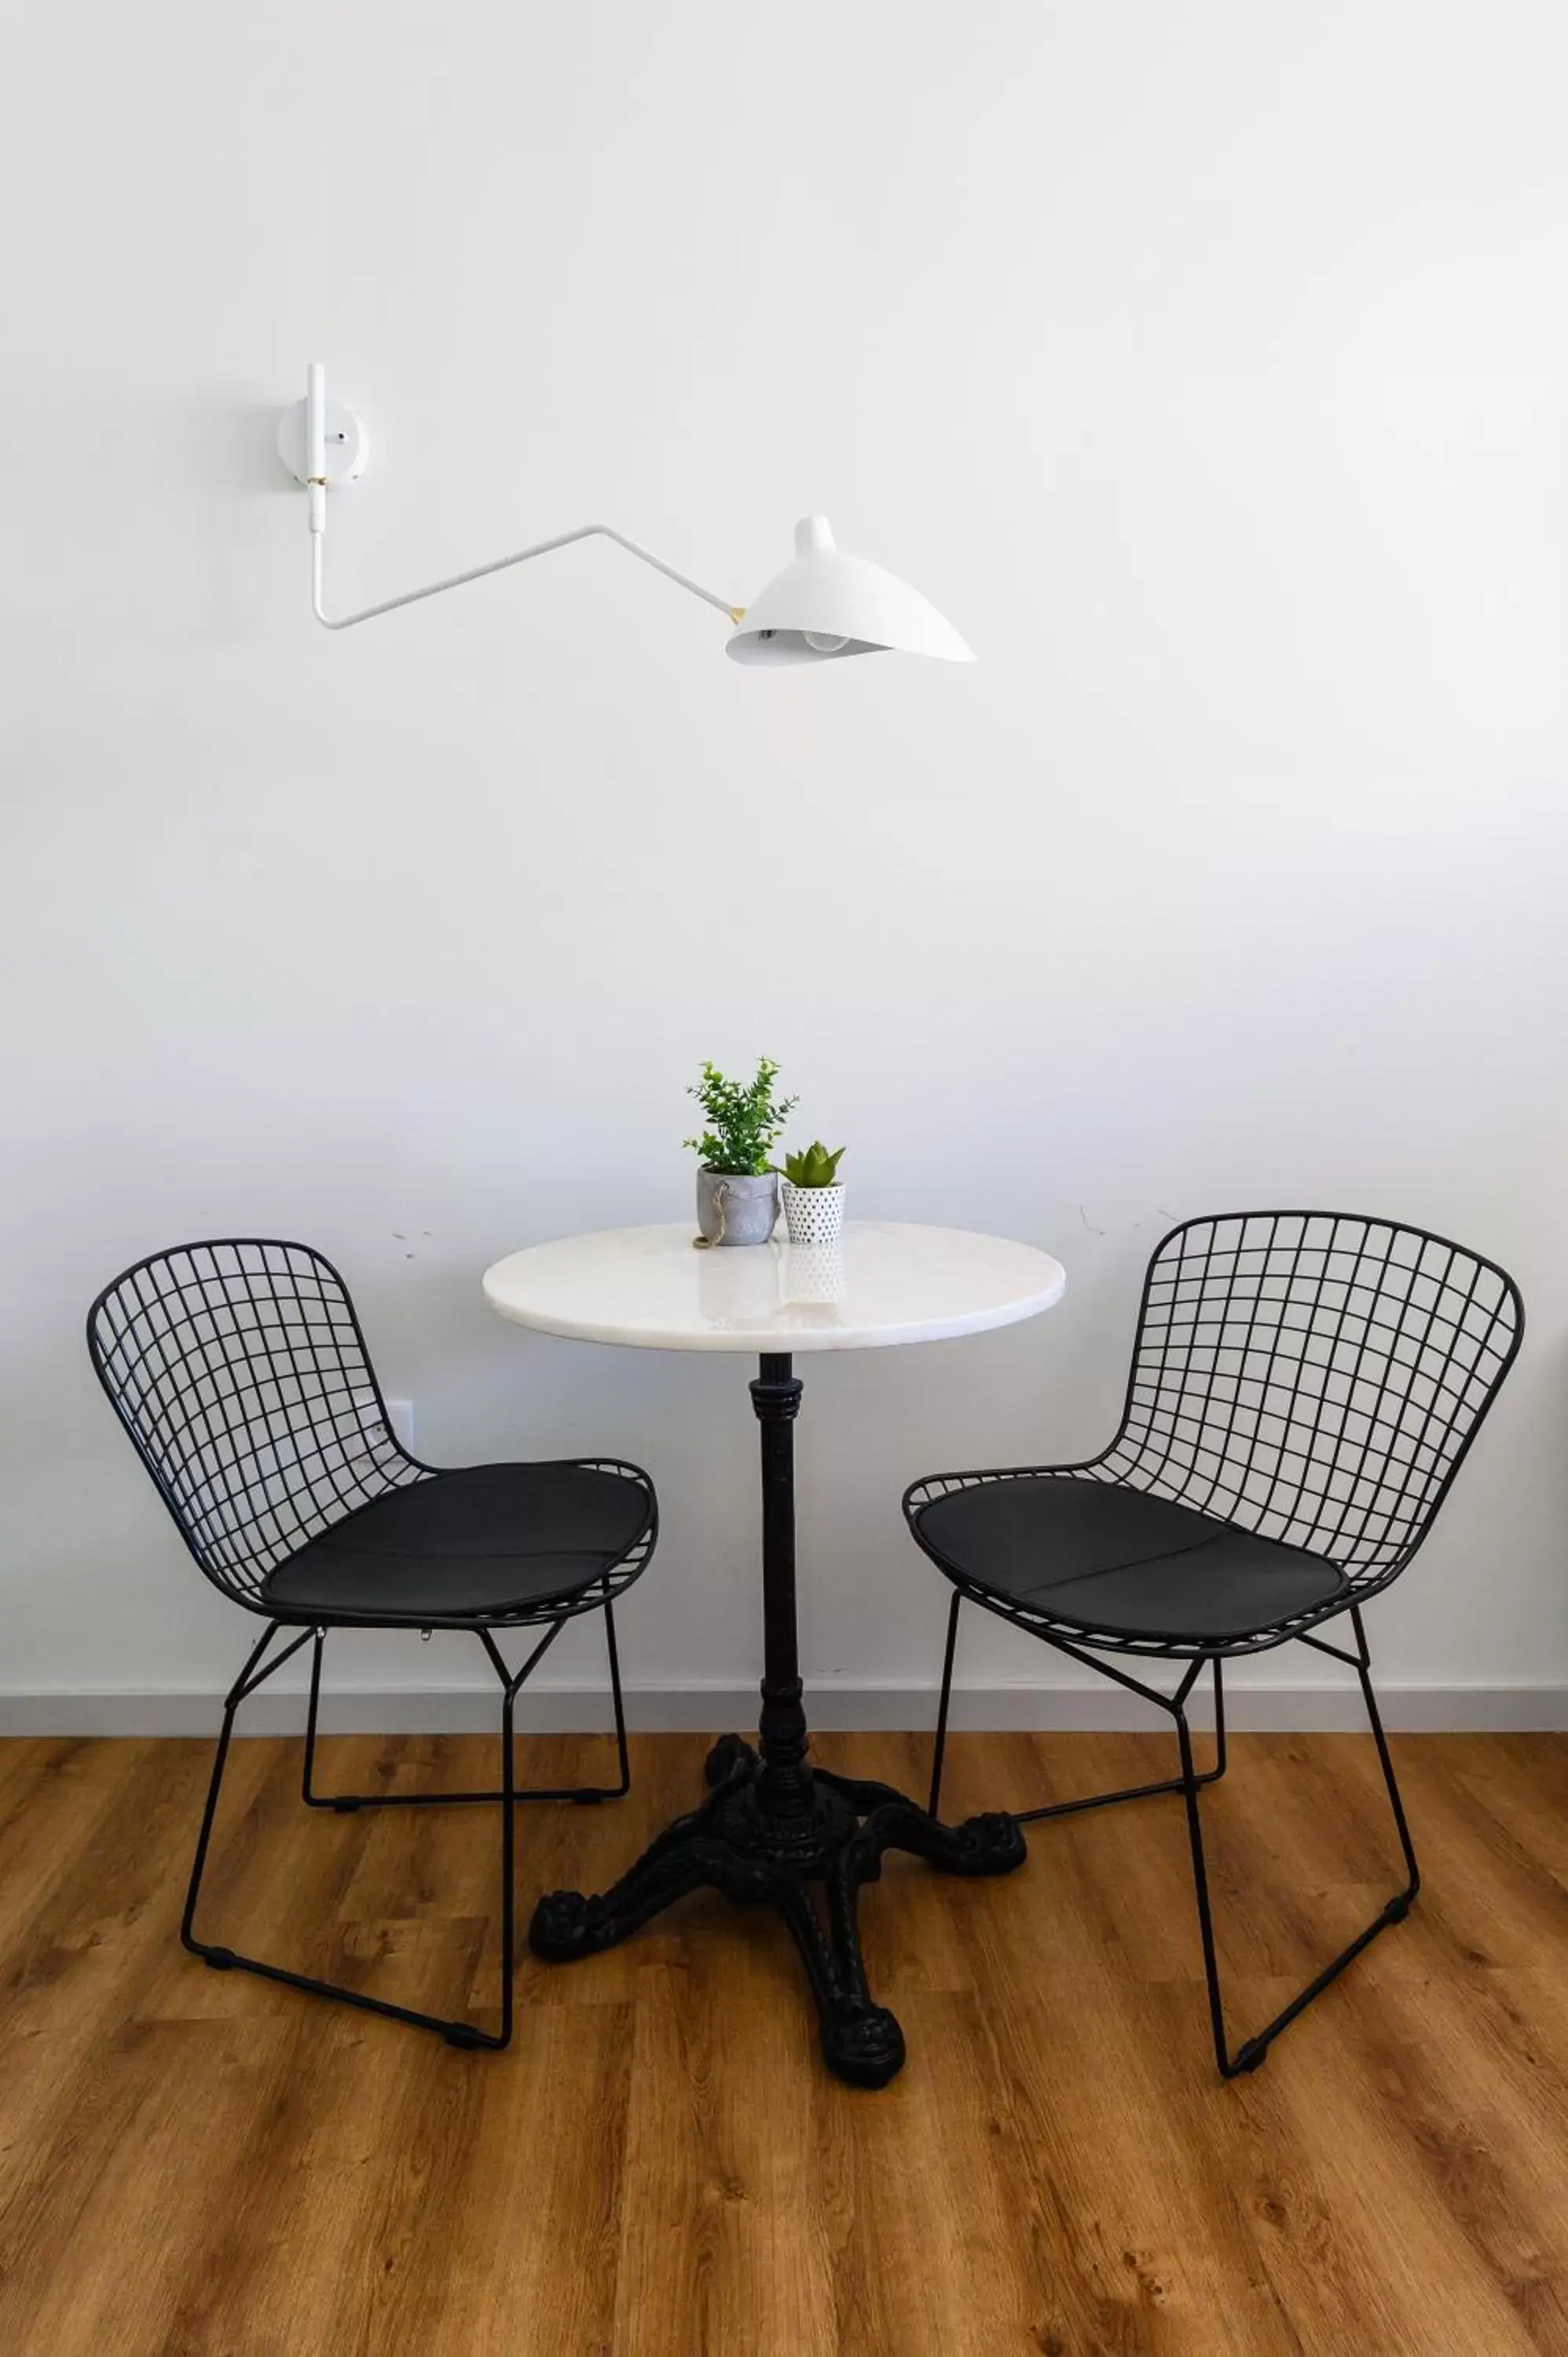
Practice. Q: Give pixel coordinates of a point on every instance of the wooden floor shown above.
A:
(200, 2165)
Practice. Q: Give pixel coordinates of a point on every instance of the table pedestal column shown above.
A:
(773, 1826)
(784, 1784)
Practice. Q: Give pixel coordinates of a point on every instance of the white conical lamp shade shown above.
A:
(825, 605)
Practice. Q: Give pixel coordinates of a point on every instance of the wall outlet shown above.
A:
(400, 1416)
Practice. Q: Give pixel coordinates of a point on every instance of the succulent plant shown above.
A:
(815, 1168)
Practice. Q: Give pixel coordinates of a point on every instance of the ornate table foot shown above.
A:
(566, 1925)
(992, 1844)
(862, 2044)
(740, 1840)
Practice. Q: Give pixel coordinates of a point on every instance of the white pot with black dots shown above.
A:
(813, 1215)
(813, 1198)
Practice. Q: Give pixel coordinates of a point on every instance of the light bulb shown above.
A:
(824, 642)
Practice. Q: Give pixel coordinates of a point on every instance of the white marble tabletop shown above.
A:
(887, 1282)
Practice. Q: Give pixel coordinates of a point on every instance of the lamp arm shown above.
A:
(315, 483)
(499, 564)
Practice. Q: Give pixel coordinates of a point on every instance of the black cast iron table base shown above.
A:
(733, 1842)
(772, 1826)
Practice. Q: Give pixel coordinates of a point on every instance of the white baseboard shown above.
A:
(835, 1703)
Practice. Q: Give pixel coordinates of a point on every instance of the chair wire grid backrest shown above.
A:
(1313, 1377)
(240, 1371)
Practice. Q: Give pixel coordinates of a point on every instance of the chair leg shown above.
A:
(1251, 2052)
(1094, 1800)
(581, 1795)
(308, 1795)
(940, 1752)
(508, 1870)
(619, 1792)
(204, 1838)
(257, 1670)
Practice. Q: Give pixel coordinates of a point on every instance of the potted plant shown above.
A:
(738, 1186)
(813, 1198)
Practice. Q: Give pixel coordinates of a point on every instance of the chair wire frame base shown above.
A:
(1233, 2062)
(258, 1668)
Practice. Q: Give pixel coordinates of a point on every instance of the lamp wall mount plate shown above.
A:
(345, 445)
(822, 606)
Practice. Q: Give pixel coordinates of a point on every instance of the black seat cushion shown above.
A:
(1099, 1556)
(489, 1539)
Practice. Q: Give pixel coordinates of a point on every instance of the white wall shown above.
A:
(1207, 365)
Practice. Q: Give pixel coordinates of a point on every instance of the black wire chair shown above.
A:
(1305, 1386)
(240, 1371)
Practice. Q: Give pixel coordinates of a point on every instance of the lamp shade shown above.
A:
(825, 604)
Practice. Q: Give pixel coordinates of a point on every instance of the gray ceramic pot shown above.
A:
(732, 1211)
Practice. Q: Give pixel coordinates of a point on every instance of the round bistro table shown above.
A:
(772, 1826)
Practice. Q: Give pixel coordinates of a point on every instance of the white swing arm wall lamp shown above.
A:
(823, 605)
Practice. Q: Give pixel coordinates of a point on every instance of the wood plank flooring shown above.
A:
(200, 2165)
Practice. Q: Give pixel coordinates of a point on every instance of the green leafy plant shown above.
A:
(815, 1168)
(743, 1122)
